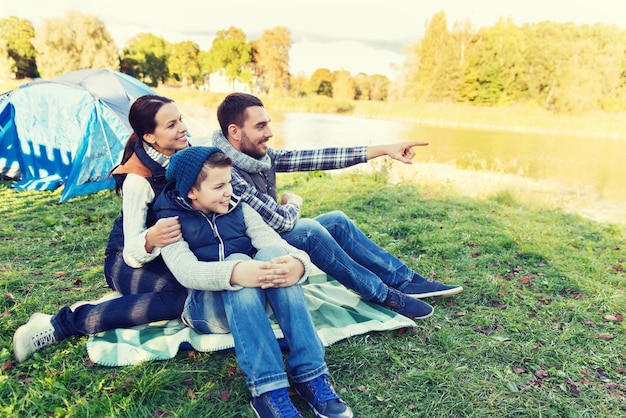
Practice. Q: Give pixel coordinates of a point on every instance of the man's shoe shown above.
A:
(274, 404)
(407, 306)
(422, 287)
(321, 396)
(31, 337)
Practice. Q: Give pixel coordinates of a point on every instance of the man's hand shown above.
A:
(291, 198)
(402, 152)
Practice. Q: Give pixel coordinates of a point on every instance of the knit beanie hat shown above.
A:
(185, 165)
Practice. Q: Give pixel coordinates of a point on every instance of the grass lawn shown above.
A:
(538, 331)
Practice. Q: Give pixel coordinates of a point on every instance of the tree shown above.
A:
(431, 51)
(322, 82)
(7, 64)
(379, 87)
(74, 42)
(231, 54)
(182, 62)
(145, 57)
(495, 65)
(271, 55)
(300, 86)
(343, 86)
(16, 35)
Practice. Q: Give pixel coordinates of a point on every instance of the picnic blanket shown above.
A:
(337, 313)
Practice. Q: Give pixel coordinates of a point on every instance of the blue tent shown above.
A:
(69, 130)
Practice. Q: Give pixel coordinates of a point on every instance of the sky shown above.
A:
(355, 35)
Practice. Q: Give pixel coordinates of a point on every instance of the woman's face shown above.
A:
(170, 134)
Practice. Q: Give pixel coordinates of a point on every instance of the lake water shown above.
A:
(593, 165)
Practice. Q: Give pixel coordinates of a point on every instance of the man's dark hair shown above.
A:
(233, 110)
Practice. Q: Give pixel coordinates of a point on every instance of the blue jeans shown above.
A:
(151, 293)
(258, 352)
(339, 248)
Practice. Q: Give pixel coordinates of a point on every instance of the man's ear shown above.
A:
(234, 132)
(191, 194)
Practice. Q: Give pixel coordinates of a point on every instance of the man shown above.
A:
(332, 240)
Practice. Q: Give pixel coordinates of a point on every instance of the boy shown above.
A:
(236, 264)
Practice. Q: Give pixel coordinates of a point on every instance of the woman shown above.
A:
(133, 265)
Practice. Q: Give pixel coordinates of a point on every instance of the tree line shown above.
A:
(76, 41)
(561, 67)
(547, 65)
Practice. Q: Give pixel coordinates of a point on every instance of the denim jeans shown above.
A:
(151, 293)
(339, 248)
(258, 352)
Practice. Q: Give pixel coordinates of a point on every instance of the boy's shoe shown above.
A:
(321, 396)
(31, 337)
(274, 404)
(407, 306)
(422, 287)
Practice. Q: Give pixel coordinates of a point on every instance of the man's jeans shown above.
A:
(258, 352)
(339, 248)
(151, 293)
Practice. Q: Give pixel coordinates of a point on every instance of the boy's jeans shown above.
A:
(339, 248)
(258, 352)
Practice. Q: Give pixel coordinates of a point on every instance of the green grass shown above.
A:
(527, 338)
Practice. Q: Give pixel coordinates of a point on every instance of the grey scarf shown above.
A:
(240, 160)
(157, 156)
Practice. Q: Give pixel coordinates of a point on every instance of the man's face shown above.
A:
(255, 132)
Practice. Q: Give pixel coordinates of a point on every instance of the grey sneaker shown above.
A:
(320, 395)
(407, 306)
(31, 337)
(274, 404)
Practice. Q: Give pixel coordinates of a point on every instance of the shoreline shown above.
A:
(539, 194)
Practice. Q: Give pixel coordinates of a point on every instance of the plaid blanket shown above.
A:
(337, 313)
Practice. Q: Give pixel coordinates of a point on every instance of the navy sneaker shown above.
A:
(422, 287)
(321, 396)
(407, 306)
(274, 404)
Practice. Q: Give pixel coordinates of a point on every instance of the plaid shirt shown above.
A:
(283, 217)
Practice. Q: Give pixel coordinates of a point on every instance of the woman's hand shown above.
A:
(164, 232)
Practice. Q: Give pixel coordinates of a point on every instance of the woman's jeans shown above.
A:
(150, 293)
(339, 248)
(258, 352)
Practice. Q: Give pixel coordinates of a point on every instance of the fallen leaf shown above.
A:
(225, 395)
(573, 387)
(7, 365)
(602, 375)
(605, 336)
(191, 394)
(610, 317)
(459, 314)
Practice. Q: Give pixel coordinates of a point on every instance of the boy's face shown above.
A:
(214, 192)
